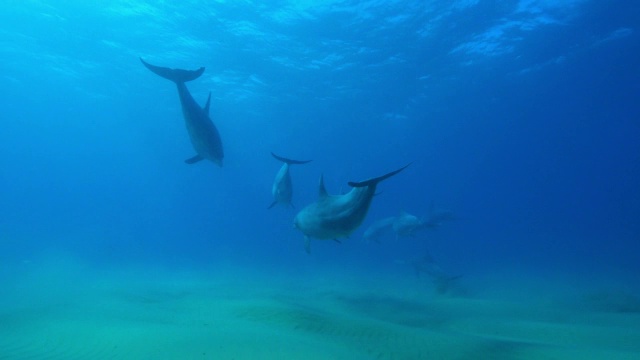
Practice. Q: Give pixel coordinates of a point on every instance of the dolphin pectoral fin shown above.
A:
(208, 104)
(307, 244)
(322, 191)
(338, 241)
(273, 204)
(193, 160)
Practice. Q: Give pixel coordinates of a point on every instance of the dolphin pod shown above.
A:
(331, 217)
(203, 133)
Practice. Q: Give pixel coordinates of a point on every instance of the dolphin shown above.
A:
(282, 189)
(202, 132)
(406, 224)
(441, 280)
(336, 216)
(378, 229)
(438, 217)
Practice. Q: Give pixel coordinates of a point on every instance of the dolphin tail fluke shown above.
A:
(290, 161)
(375, 181)
(175, 75)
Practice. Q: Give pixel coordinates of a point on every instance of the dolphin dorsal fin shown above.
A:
(322, 191)
(208, 104)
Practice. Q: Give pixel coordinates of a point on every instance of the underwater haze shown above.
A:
(514, 233)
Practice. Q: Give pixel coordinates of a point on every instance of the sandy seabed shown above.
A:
(63, 310)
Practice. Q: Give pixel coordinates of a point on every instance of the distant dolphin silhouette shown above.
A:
(440, 279)
(378, 228)
(437, 217)
(282, 190)
(202, 132)
(406, 224)
(336, 216)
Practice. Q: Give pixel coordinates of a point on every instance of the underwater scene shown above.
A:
(329, 179)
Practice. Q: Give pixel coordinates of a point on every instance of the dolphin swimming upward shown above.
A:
(203, 134)
(336, 216)
(282, 189)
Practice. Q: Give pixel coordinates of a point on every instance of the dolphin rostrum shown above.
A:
(282, 190)
(336, 216)
(202, 132)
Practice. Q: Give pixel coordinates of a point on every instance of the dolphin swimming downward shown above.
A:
(336, 216)
(202, 132)
(282, 190)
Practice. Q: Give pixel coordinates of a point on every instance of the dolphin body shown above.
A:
(406, 224)
(336, 216)
(378, 229)
(203, 133)
(441, 280)
(438, 217)
(282, 189)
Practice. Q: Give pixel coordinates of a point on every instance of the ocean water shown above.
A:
(520, 119)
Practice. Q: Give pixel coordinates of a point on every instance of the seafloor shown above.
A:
(63, 309)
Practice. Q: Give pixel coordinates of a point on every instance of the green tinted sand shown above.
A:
(63, 311)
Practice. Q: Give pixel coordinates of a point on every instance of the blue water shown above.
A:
(521, 117)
